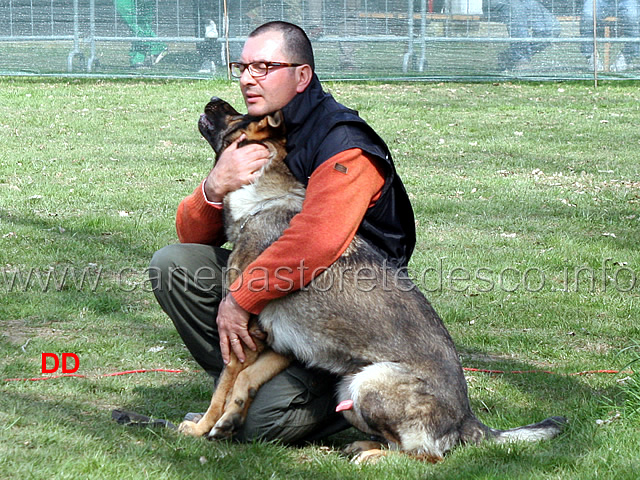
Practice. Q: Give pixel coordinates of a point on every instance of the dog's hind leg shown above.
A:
(391, 401)
(249, 380)
(218, 401)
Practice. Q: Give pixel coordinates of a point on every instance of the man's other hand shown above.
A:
(232, 322)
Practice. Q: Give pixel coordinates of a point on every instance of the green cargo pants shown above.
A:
(295, 406)
(138, 15)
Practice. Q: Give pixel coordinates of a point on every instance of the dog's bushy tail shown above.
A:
(543, 430)
(474, 431)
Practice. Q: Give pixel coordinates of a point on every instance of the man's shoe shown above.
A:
(208, 66)
(155, 59)
(597, 64)
(193, 417)
(620, 65)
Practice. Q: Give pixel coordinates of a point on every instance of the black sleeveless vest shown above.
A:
(318, 128)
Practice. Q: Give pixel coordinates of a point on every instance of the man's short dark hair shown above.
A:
(296, 42)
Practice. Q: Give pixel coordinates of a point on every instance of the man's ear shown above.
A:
(304, 74)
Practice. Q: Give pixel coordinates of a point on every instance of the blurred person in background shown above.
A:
(627, 13)
(524, 19)
(205, 14)
(139, 16)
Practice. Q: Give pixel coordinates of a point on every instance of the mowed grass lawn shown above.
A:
(527, 201)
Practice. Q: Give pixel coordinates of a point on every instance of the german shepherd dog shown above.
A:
(401, 378)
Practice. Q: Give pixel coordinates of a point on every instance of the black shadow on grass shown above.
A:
(547, 395)
(162, 448)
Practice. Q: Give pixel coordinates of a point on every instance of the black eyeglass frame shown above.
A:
(267, 65)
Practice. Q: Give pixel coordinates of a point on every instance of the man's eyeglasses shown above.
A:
(257, 69)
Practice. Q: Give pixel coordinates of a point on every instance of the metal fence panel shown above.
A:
(353, 39)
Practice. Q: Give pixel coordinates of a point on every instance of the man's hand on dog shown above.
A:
(233, 323)
(235, 167)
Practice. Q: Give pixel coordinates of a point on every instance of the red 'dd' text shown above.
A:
(59, 361)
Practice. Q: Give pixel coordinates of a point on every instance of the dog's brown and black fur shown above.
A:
(397, 362)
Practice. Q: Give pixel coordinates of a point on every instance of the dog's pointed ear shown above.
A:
(275, 119)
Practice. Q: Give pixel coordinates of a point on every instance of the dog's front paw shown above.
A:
(226, 426)
(361, 446)
(191, 429)
(365, 451)
(370, 457)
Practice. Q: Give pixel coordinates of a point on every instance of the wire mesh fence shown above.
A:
(353, 39)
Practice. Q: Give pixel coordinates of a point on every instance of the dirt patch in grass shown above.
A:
(19, 332)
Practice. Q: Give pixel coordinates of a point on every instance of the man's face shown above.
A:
(272, 92)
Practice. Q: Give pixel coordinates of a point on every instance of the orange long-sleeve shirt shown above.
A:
(336, 201)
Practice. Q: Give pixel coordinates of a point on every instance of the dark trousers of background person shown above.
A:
(523, 18)
(295, 406)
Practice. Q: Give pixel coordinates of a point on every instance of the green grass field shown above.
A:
(527, 201)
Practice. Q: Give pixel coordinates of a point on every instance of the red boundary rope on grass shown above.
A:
(115, 374)
(167, 370)
(586, 372)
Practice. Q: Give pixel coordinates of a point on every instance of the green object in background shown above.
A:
(138, 15)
